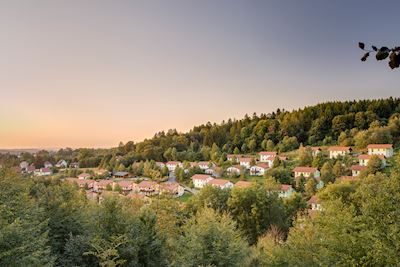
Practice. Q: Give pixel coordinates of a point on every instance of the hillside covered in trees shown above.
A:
(354, 123)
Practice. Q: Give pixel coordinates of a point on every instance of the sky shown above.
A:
(94, 73)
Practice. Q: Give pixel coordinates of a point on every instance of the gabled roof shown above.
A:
(201, 177)
(305, 169)
(286, 187)
(125, 183)
(147, 184)
(313, 200)
(263, 165)
(316, 148)
(173, 163)
(104, 182)
(380, 146)
(219, 182)
(245, 159)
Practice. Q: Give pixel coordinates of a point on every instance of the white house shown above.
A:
(357, 169)
(171, 165)
(336, 151)
(364, 159)
(200, 180)
(245, 162)
(48, 164)
(234, 170)
(306, 172)
(264, 155)
(259, 169)
(24, 166)
(314, 203)
(43, 172)
(221, 183)
(233, 157)
(62, 164)
(381, 149)
(204, 165)
(286, 191)
(315, 150)
(148, 188)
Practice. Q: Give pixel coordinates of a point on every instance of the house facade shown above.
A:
(381, 149)
(264, 155)
(286, 191)
(201, 180)
(338, 151)
(364, 159)
(221, 183)
(306, 172)
(357, 169)
(259, 169)
(245, 162)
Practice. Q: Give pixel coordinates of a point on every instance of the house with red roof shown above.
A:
(172, 189)
(102, 185)
(306, 172)
(357, 169)
(259, 169)
(234, 157)
(127, 186)
(364, 159)
(200, 180)
(171, 165)
(148, 188)
(43, 172)
(339, 151)
(245, 162)
(221, 183)
(380, 149)
(314, 203)
(265, 155)
(234, 170)
(315, 150)
(286, 191)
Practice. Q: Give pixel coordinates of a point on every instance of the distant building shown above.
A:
(172, 189)
(306, 172)
(84, 176)
(286, 191)
(221, 183)
(200, 180)
(62, 164)
(265, 155)
(148, 188)
(234, 157)
(243, 184)
(381, 149)
(315, 150)
(336, 151)
(171, 165)
(259, 169)
(236, 169)
(357, 169)
(43, 172)
(245, 162)
(74, 165)
(121, 174)
(314, 203)
(48, 164)
(364, 159)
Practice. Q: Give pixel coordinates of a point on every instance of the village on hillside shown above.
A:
(341, 164)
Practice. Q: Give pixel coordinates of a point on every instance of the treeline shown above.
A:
(355, 123)
(47, 222)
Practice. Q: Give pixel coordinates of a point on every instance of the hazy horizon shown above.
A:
(79, 74)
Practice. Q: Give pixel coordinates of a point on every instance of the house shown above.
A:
(127, 186)
(161, 165)
(243, 184)
(89, 184)
(336, 151)
(286, 191)
(171, 165)
(236, 169)
(233, 157)
(306, 172)
(74, 165)
(259, 169)
(172, 189)
(24, 166)
(204, 165)
(200, 180)
(148, 188)
(314, 203)
(315, 150)
(121, 174)
(363, 159)
(48, 165)
(43, 172)
(221, 183)
(245, 162)
(381, 149)
(84, 176)
(264, 155)
(31, 169)
(102, 185)
(357, 169)
(211, 171)
(61, 164)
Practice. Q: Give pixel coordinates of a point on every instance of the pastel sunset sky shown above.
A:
(93, 73)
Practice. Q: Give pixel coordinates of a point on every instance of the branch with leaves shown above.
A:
(382, 53)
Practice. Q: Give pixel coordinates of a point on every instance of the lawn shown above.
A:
(185, 197)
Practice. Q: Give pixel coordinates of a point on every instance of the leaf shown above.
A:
(382, 53)
(374, 48)
(361, 45)
(394, 61)
(365, 56)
